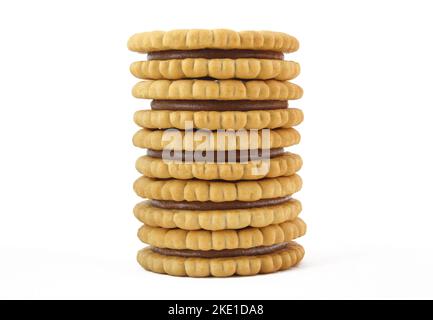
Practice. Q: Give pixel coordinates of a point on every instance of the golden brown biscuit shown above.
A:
(222, 239)
(217, 90)
(221, 267)
(217, 219)
(175, 69)
(284, 165)
(206, 140)
(217, 191)
(218, 38)
(213, 120)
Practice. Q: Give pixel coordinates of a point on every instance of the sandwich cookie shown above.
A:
(217, 216)
(246, 263)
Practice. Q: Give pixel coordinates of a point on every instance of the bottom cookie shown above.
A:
(285, 257)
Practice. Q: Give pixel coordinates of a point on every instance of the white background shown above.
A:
(67, 161)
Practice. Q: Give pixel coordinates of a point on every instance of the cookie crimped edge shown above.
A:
(222, 239)
(284, 165)
(192, 39)
(217, 191)
(213, 120)
(221, 267)
(175, 139)
(217, 90)
(217, 219)
(175, 69)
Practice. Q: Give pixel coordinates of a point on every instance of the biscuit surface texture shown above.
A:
(217, 219)
(221, 267)
(217, 90)
(213, 39)
(284, 165)
(261, 69)
(205, 140)
(213, 120)
(222, 239)
(217, 191)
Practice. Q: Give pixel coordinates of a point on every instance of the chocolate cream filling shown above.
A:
(187, 253)
(215, 54)
(216, 156)
(209, 205)
(218, 105)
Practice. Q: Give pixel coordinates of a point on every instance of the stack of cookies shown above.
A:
(218, 180)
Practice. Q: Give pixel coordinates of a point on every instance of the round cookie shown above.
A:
(216, 191)
(284, 165)
(211, 140)
(213, 120)
(194, 39)
(217, 90)
(261, 69)
(217, 219)
(222, 239)
(221, 267)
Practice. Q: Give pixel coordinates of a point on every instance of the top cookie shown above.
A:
(212, 39)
